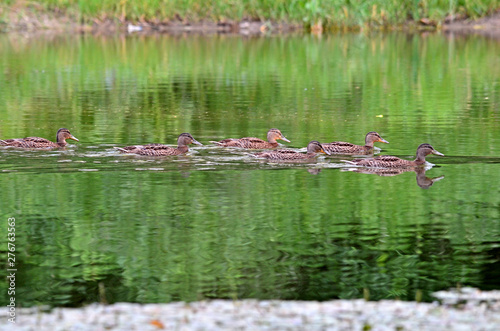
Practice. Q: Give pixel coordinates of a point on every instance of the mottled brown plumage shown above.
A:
(37, 142)
(340, 147)
(254, 143)
(162, 150)
(387, 161)
(313, 148)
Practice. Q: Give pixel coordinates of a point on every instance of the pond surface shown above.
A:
(95, 225)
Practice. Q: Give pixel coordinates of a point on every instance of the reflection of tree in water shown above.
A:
(422, 180)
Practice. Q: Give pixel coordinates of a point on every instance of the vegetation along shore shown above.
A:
(237, 16)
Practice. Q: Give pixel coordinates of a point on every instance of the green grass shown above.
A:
(308, 12)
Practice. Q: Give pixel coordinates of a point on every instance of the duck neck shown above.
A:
(311, 154)
(182, 148)
(420, 157)
(272, 140)
(61, 141)
(421, 175)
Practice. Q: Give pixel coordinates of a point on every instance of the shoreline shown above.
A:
(261, 315)
(25, 20)
(457, 309)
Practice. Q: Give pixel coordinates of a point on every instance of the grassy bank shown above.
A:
(333, 13)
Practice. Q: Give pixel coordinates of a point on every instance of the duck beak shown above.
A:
(435, 179)
(197, 142)
(383, 141)
(437, 153)
(284, 139)
(325, 151)
(73, 138)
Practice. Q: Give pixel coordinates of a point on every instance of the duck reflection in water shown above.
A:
(314, 171)
(422, 180)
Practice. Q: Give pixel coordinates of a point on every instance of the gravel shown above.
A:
(468, 311)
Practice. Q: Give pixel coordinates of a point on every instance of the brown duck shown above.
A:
(37, 142)
(162, 150)
(340, 147)
(387, 161)
(254, 143)
(313, 148)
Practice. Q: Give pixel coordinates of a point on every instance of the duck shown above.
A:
(313, 148)
(387, 161)
(37, 142)
(254, 143)
(340, 147)
(162, 150)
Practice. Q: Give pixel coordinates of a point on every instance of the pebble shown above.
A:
(465, 309)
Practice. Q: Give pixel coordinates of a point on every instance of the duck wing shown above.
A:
(227, 143)
(11, 142)
(37, 140)
(282, 154)
(30, 142)
(246, 142)
(384, 161)
(157, 149)
(342, 147)
(255, 143)
(150, 150)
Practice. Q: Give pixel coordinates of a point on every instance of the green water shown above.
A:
(95, 225)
